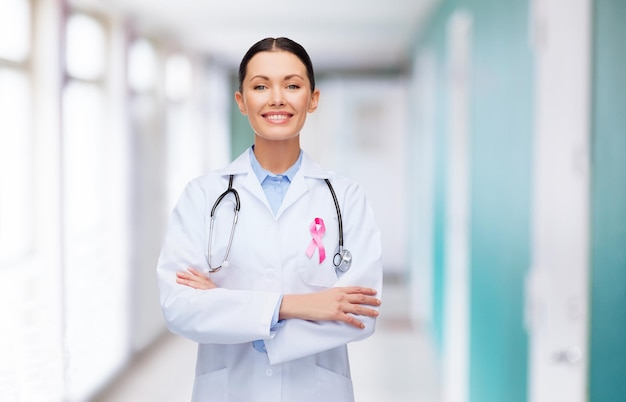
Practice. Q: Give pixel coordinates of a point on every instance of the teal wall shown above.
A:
(607, 368)
(501, 182)
(435, 40)
(241, 133)
(500, 178)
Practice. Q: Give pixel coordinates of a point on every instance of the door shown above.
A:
(557, 296)
(457, 241)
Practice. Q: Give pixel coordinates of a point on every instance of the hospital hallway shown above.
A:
(488, 138)
(397, 364)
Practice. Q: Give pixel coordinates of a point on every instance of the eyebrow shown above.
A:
(287, 77)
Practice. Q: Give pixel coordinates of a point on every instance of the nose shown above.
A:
(277, 98)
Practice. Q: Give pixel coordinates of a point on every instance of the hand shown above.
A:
(194, 279)
(335, 304)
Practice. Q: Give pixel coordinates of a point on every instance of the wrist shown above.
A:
(288, 306)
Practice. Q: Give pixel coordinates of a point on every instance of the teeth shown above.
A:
(277, 117)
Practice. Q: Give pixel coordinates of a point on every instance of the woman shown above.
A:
(263, 298)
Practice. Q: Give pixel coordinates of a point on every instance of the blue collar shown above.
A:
(262, 174)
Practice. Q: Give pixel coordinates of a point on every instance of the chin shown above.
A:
(278, 137)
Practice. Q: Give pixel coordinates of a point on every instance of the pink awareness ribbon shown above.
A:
(317, 229)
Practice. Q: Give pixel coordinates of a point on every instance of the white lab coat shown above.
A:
(305, 360)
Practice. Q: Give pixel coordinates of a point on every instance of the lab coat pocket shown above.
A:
(318, 276)
(333, 386)
(211, 386)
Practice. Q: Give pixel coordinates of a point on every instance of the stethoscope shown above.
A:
(341, 260)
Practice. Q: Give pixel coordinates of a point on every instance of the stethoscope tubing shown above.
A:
(332, 192)
(230, 190)
(341, 260)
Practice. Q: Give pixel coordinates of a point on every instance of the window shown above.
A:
(16, 180)
(83, 120)
(15, 28)
(178, 78)
(83, 161)
(86, 44)
(82, 106)
(16, 159)
(31, 360)
(142, 66)
(96, 317)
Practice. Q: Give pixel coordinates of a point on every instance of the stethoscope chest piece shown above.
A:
(342, 260)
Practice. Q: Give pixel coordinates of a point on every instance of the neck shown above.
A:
(277, 156)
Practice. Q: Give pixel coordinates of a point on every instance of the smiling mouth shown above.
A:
(277, 117)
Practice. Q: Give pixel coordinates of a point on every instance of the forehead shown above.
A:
(275, 64)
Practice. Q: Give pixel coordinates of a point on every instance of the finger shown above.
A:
(183, 275)
(350, 320)
(360, 290)
(364, 311)
(194, 271)
(188, 276)
(362, 299)
(186, 282)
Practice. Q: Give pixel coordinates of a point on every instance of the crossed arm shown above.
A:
(333, 304)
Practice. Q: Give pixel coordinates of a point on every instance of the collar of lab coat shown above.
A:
(308, 169)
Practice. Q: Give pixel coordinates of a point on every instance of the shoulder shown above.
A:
(216, 179)
(345, 187)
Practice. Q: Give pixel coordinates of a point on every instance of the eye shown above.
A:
(293, 86)
(260, 87)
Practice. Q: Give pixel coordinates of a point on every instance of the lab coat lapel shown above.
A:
(248, 182)
(299, 187)
(251, 184)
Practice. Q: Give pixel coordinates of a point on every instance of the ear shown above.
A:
(241, 103)
(315, 97)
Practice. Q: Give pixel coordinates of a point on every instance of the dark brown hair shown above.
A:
(273, 44)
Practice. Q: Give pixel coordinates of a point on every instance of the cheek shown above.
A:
(302, 103)
(251, 103)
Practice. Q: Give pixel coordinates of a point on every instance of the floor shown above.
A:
(396, 364)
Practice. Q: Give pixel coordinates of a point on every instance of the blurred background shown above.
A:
(489, 136)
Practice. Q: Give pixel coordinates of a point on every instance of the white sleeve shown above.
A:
(298, 338)
(205, 316)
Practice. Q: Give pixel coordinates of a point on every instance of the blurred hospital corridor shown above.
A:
(488, 138)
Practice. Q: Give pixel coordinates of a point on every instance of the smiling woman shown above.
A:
(273, 320)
